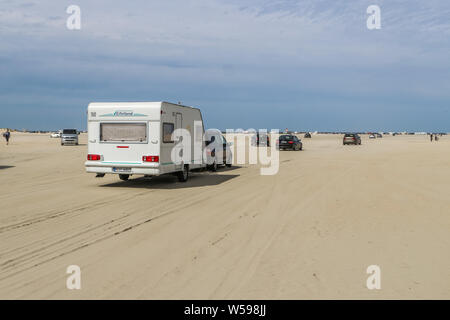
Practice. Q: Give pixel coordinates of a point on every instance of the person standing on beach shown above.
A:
(431, 137)
(7, 135)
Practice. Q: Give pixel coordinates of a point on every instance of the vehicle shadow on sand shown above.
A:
(6, 167)
(196, 179)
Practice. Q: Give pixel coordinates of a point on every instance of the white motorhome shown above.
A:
(136, 138)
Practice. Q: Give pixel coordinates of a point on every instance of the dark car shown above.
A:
(307, 135)
(289, 142)
(261, 139)
(218, 150)
(352, 138)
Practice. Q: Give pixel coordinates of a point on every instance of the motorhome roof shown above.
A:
(143, 104)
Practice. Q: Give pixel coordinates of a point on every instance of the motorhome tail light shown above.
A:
(150, 158)
(93, 157)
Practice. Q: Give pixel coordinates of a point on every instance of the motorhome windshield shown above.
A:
(123, 132)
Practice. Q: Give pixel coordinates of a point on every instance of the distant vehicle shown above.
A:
(379, 135)
(352, 138)
(307, 135)
(218, 151)
(288, 141)
(372, 136)
(55, 135)
(69, 136)
(137, 138)
(261, 139)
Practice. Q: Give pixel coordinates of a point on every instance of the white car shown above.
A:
(218, 151)
(55, 135)
(372, 136)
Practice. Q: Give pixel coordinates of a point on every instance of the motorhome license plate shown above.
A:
(122, 169)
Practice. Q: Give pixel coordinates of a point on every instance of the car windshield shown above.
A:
(69, 131)
(349, 135)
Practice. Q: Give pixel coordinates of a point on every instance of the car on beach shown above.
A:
(351, 138)
(261, 139)
(69, 136)
(372, 136)
(289, 142)
(217, 153)
(307, 135)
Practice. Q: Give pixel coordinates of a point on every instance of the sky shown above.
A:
(304, 65)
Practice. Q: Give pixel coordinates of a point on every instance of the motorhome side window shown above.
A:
(168, 129)
(123, 132)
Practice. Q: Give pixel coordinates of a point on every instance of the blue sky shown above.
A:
(305, 65)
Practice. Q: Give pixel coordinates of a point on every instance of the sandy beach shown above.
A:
(308, 232)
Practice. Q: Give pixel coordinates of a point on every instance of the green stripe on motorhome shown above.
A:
(123, 113)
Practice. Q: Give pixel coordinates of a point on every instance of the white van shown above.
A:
(136, 138)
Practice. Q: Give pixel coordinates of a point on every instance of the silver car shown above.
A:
(69, 136)
(352, 138)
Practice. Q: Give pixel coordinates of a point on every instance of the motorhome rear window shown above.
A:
(168, 129)
(123, 132)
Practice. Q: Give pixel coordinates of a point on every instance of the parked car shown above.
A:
(352, 138)
(307, 135)
(379, 135)
(69, 136)
(288, 141)
(217, 152)
(372, 136)
(55, 135)
(261, 139)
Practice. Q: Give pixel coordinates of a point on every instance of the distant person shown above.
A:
(7, 135)
(431, 137)
(436, 138)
